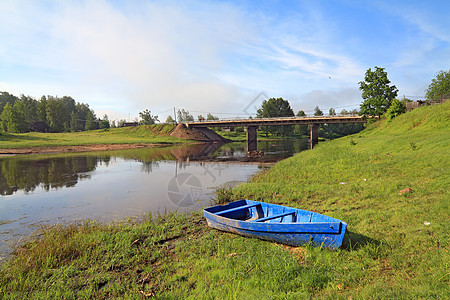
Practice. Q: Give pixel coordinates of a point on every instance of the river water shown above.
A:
(41, 190)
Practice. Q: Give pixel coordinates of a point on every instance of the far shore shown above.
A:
(75, 148)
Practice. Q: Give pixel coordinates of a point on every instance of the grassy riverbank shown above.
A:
(396, 247)
(153, 134)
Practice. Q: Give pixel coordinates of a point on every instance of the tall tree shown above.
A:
(210, 117)
(12, 117)
(91, 123)
(56, 114)
(184, 116)
(376, 92)
(332, 112)
(30, 108)
(69, 107)
(104, 122)
(6, 116)
(82, 113)
(6, 97)
(170, 119)
(20, 122)
(439, 87)
(42, 109)
(343, 112)
(147, 117)
(73, 122)
(317, 111)
(276, 107)
(301, 113)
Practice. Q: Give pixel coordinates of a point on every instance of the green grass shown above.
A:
(388, 251)
(358, 179)
(154, 134)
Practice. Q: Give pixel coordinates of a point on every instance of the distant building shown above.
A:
(415, 104)
(130, 124)
(39, 127)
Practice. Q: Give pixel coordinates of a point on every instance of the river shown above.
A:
(39, 190)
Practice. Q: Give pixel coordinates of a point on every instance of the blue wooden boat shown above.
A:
(287, 225)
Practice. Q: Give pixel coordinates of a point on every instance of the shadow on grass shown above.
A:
(354, 241)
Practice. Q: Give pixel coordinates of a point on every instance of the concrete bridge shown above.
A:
(252, 125)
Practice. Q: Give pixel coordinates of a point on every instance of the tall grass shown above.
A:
(360, 182)
(396, 246)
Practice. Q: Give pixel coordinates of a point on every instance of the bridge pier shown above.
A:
(252, 139)
(314, 138)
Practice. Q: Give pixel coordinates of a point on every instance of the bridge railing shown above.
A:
(273, 118)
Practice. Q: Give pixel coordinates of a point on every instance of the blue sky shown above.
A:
(122, 57)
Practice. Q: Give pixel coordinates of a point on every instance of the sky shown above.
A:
(223, 57)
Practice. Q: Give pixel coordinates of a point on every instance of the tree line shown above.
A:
(50, 113)
(63, 114)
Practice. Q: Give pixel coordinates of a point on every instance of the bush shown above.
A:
(397, 108)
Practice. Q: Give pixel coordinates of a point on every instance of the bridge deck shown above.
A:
(278, 121)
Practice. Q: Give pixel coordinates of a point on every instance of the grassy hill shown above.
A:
(157, 134)
(396, 246)
(403, 237)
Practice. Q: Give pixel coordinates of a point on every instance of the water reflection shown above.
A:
(63, 171)
(27, 175)
(39, 190)
(272, 151)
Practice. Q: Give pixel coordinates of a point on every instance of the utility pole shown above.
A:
(175, 115)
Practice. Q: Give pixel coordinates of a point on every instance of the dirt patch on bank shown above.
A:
(182, 132)
(80, 148)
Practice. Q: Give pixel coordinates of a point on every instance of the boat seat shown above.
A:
(275, 216)
(237, 208)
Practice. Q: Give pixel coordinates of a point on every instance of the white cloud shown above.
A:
(125, 57)
(161, 56)
(348, 98)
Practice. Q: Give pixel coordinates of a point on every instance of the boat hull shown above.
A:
(277, 223)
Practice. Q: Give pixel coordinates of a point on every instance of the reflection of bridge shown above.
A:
(252, 125)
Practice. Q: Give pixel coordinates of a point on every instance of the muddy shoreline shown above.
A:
(77, 148)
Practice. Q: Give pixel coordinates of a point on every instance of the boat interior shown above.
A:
(246, 210)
